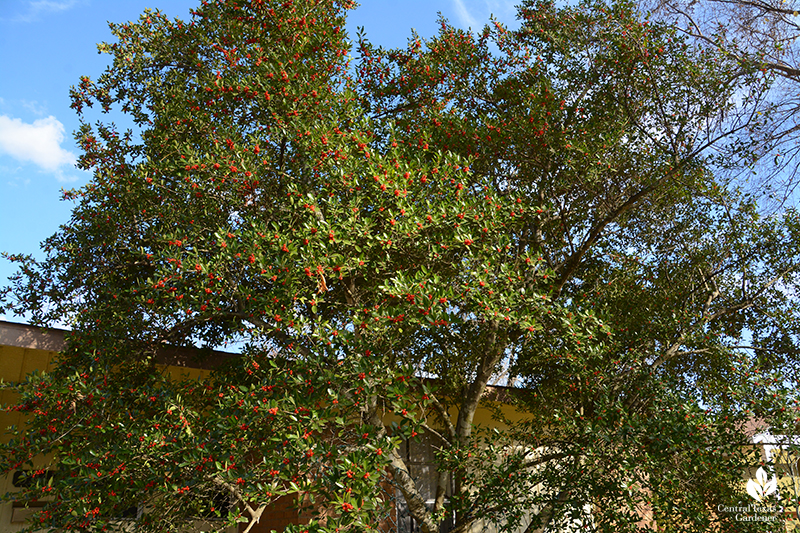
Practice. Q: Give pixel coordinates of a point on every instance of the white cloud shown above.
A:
(43, 7)
(38, 143)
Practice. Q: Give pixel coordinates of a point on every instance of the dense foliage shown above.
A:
(528, 218)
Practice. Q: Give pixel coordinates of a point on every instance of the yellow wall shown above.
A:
(15, 364)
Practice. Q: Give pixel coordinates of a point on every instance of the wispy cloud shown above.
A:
(36, 8)
(464, 16)
(34, 107)
(38, 143)
(502, 7)
(14, 176)
(475, 13)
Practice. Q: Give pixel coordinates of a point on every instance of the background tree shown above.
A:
(761, 33)
(535, 208)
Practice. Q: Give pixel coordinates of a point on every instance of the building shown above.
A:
(25, 349)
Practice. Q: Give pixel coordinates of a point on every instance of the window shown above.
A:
(419, 456)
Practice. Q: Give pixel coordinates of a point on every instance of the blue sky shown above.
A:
(46, 45)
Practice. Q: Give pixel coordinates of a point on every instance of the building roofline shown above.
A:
(31, 337)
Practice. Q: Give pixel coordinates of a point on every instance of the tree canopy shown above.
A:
(536, 218)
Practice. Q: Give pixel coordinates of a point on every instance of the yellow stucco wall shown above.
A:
(15, 364)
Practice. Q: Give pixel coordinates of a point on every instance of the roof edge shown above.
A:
(31, 337)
